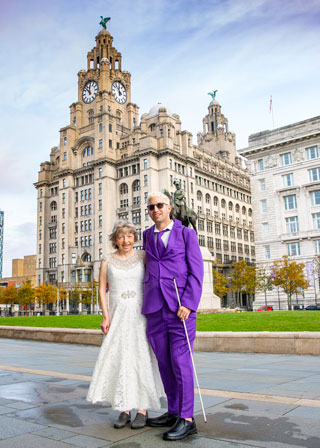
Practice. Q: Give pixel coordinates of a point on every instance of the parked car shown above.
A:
(265, 308)
(312, 308)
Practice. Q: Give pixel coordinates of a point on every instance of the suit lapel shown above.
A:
(152, 244)
(172, 237)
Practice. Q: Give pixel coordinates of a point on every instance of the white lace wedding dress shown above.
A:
(126, 374)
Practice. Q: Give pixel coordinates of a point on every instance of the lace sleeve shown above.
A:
(107, 258)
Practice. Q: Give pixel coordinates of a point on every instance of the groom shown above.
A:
(172, 250)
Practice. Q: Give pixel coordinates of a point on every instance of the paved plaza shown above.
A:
(251, 400)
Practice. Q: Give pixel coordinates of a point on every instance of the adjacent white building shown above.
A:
(284, 166)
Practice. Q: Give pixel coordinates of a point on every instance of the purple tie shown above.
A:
(160, 244)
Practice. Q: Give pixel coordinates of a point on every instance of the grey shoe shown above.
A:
(123, 419)
(140, 421)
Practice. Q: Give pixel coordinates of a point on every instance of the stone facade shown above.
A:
(284, 166)
(107, 163)
(22, 270)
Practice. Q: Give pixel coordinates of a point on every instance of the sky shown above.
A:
(176, 51)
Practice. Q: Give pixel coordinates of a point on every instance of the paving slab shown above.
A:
(46, 406)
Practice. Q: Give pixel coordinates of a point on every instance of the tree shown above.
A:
(289, 275)
(46, 294)
(74, 298)
(263, 282)
(219, 283)
(243, 280)
(9, 296)
(26, 293)
(90, 294)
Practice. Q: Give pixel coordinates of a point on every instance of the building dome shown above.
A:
(157, 108)
(214, 103)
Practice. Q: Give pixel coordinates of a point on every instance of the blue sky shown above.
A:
(176, 51)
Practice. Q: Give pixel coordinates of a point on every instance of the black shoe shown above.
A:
(123, 419)
(140, 421)
(166, 419)
(180, 430)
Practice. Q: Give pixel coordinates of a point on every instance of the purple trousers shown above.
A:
(167, 337)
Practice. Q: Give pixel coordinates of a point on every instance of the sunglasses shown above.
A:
(160, 205)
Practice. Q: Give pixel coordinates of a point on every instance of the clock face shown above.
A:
(119, 92)
(89, 92)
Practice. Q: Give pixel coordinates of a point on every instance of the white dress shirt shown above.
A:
(165, 235)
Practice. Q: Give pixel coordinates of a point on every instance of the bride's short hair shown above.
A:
(122, 225)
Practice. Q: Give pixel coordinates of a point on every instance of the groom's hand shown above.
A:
(183, 313)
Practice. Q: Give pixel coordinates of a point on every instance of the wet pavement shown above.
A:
(251, 400)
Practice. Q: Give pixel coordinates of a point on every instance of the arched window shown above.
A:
(250, 212)
(223, 203)
(215, 201)
(123, 188)
(136, 185)
(53, 205)
(208, 198)
(230, 206)
(244, 210)
(89, 151)
(86, 257)
(237, 208)
(199, 195)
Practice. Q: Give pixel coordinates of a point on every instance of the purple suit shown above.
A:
(181, 259)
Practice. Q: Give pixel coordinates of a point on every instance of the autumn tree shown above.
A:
(74, 298)
(89, 294)
(263, 282)
(219, 283)
(9, 296)
(46, 294)
(243, 280)
(26, 294)
(289, 275)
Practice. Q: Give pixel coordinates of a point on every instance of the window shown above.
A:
(63, 198)
(145, 180)
(100, 204)
(100, 220)
(287, 180)
(65, 156)
(145, 163)
(262, 183)
(63, 213)
(225, 245)
(210, 242)
(63, 229)
(100, 172)
(200, 224)
(62, 243)
(123, 189)
(292, 224)
(218, 243)
(265, 227)
(290, 202)
(315, 197)
(100, 254)
(146, 197)
(286, 159)
(136, 185)
(110, 127)
(199, 195)
(312, 152)
(73, 258)
(209, 226)
(316, 220)
(100, 127)
(124, 203)
(260, 165)
(136, 218)
(110, 143)
(293, 248)
(63, 183)
(100, 188)
(65, 141)
(136, 201)
(202, 241)
(100, 143)
(207, 198)
(40, 206)
(264, 205)
(317, 246)
(314, 174)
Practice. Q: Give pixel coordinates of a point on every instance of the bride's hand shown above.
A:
(105, 325)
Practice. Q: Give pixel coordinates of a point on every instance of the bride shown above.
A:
(126, 374)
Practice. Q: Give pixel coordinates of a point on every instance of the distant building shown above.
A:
(284, 166)
(22, 270)
(1, 240)
(107, 163)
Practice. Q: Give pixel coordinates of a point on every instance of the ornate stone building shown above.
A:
(108, 161)
(284, 165)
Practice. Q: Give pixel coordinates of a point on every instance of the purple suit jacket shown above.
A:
(181, 259)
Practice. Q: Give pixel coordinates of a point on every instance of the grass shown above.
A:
(256, 321)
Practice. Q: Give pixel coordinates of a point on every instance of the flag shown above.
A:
(270, 109)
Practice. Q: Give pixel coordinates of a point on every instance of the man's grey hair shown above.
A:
(122, 225)
(158, 194)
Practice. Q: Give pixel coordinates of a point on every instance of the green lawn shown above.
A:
(256, 321)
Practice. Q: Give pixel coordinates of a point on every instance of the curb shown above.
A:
(299, 343)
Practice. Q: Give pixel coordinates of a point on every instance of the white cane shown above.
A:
(190, 350)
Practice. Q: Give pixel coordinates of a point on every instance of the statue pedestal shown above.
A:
(209, 301)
